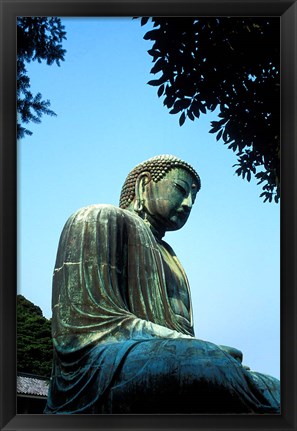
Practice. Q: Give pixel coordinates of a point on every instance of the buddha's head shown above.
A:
(161, 190)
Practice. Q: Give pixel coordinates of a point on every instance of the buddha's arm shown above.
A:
(140, 328)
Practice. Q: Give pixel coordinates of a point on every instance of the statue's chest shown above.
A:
(176, 284)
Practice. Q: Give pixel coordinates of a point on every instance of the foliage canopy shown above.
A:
(38, 38)
(231, 64)
(34, 339)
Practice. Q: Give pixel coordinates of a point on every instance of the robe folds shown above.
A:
(120, 346)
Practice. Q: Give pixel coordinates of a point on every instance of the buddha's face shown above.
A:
(168, 202)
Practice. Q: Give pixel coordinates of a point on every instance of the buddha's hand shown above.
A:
(164, 332)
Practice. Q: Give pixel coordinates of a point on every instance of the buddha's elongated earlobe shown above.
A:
(139, 199)
(138, 205)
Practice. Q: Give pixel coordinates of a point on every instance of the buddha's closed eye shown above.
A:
(180, 188)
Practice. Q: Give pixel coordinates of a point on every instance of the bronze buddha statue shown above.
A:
(122, 318)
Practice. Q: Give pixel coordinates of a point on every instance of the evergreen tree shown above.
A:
(34, 339)
(38, 38)
(229, 63)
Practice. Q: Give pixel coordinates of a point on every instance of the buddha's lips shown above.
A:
(183, 213)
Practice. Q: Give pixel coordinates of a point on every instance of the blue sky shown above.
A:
(109, 120)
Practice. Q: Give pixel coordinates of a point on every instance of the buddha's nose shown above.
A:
(187, 202)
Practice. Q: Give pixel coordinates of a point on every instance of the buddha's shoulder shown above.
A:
(100, 211)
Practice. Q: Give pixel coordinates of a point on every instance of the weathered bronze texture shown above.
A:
(122, 318)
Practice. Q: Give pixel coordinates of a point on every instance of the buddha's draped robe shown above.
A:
(123, 332)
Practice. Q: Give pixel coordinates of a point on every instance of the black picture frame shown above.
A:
(287, 11)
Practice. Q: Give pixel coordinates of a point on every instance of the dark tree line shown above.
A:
(34, 339)
(38, 38)
(231, 64)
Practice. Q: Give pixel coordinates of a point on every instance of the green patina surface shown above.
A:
(122, 317)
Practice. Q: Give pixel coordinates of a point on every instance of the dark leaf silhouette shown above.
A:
(219, 135)
(144, 20)
(229, 63)
(161, 90)
(182, 119)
